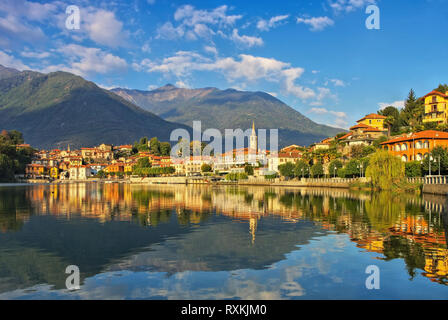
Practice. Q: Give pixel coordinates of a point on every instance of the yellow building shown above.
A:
(54, 172)
(373, 120)
(436, 107)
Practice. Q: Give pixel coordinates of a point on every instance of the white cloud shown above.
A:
(12, 28)
(104, 28)
(337, 82)
(265, 25)
(396, 104)
(190, 16)
(211, 49)
(33, 11)
(247, 41)
(245, 68)
(11, 62)
(339, 118)
(182, 84)
(146, 48)
(84, 61)
(349, 5)
(291, 75)
(35, 55)
(193, 24)
(169, 32)
(316, 23)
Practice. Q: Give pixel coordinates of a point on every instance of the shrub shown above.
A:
(235, 176)
(413, 169)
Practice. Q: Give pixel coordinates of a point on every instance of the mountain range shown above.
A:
(59, 108)
(229, 109)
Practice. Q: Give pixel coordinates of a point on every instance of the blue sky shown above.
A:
(317, 56)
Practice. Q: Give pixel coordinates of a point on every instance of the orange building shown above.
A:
(416, 146)
(35, 170)
(114, 168)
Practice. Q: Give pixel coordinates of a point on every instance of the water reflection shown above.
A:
(177, 230)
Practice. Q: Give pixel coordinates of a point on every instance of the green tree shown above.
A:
(206, 168)
(16, 137)
(301, 169)
(287, 170)
(412, 113)
(101, 174)
(249, 169)
(334, 166)
(154, 146)
(317, 170)
(438, 154)
(143, 141)
(352, 169)
(165, 149)
(442, 88)
(413, 169)
(143, 163)
(385, 170)
(393, 119)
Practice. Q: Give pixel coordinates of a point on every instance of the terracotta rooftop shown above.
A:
(360, 126)
(434, 92)
(346, 136)
(428, 134)
(372, 116)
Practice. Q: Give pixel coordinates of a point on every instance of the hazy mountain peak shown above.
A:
(6, 72)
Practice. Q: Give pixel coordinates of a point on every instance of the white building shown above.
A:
(80, 172)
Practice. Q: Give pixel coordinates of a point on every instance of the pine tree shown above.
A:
(412, 114)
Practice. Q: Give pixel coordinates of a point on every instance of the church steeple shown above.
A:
(253, 146)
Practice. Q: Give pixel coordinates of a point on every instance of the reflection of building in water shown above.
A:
(373, 222)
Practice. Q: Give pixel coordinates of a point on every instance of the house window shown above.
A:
(434, 108)
(404, 147)
(434, 99)
(426, 145)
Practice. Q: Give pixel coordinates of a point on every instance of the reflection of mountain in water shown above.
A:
(224, 246)
(175, 228)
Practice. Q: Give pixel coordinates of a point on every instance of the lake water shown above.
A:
(204, 242)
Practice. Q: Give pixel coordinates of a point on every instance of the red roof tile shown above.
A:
(372, 116)
(428, 134)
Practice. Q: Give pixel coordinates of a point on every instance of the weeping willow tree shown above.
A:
(385, 170)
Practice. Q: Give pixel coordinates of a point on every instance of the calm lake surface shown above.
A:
(204, 242)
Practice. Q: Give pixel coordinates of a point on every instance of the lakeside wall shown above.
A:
(324, 183)
(440, 189)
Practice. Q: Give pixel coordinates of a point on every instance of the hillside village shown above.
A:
(416, 134)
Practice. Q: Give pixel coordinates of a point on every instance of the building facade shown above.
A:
(436, 107)
(416, 146)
